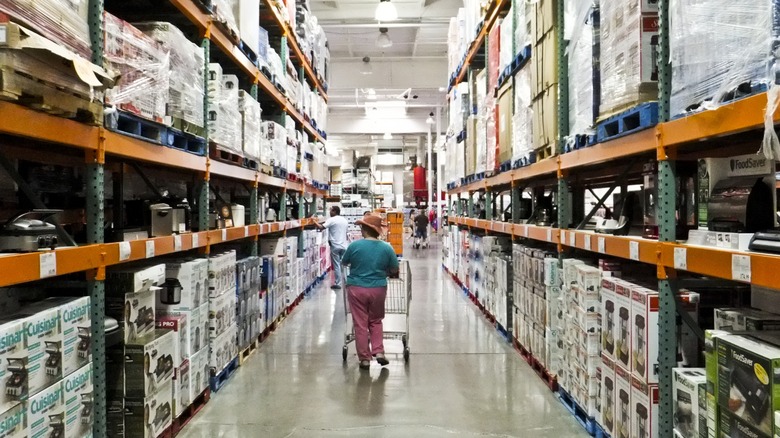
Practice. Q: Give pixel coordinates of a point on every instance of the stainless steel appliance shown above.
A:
(163, 220)
(29, 232)
(741, 204)
(171, 291)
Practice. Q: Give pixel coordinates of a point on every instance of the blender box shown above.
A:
(608, 388)
(689, 388)
(181, 388)
(623, 406)
(43, 335)
(14, 363)
(623, 324)
(149, 363)
(148, 417)
(79, 411)
(224, 349)
(135, 312)
(13, 422)
(222, 314)
(134, 278)
(608, 317)
(192, 275)
(180, 326)
(46, 412)
(644, 412)
(199, 373)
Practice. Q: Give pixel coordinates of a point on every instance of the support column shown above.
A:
(430, 168)
(283, 206)
(440, 160)
(488, 205)
(254, 217)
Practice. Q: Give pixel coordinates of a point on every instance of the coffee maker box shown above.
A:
(14, 422)
(14, 363)
(180, 326)
(148, 417)
(135, 312)
(689, 387)
(608, 391)
(149, 364)
(193, 276)
(623, 324)
(79, 406)
(46, 412)
(181, 388)
(43, 335)
(624, 410)
(644, 412)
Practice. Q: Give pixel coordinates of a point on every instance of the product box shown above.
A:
(689, 388)
(711, 366)
(14, 422)
(181, 388)
(135, 312)
(181, 328)
(728, 319)
(76, 323)
(46, 412)
(199, 373)
(644, 409)
(43, 336)
(115, 416)
(149, 363)
(149, 417)
(223, 348)
(201, 335)
(730, 424)
(624, 410)
(79, 409)
(14, 363)
(222, 314)
(608, 317)
(192, 275)
(623, 324)
(608, 391)
(126, 279)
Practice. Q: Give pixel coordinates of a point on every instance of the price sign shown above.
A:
(246, 231)
(602, 243)
(633, 250)
(124, 251)
(572, 239)
(525, 231)
(740, 268)
(224, 234)
(48, 264)
(195, 239)
(549, 235)
(177, 242)
(587, 243)
(149, 249)
(681, 259)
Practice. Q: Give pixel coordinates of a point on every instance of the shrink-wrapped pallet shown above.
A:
(250, 124)
(583, 66)
(63, 21)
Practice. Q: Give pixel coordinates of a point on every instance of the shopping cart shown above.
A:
(396, 322)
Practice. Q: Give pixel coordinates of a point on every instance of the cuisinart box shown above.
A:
(149, 417)
(624, 410)
(689, 402)
(43, 335)
(46, 412)
(135, 312)
(193, 277)
(748, 380)
(14, 364)
(149, 364)
(76, 327)
(181, 328)
(14, 422)
(79, 409)
(608, 390)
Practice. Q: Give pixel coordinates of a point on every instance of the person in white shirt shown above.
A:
(337, 238)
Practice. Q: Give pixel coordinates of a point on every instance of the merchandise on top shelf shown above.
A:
(65, 23)
(144, 65)
(689, 389)
(629, 40)
(246, 12)
(583, 37)
(522, 118)
(250, 124)
(224, 117)
(223, 14)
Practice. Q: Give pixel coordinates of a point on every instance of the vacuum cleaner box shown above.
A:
(46, 412)
(149, 417)
(623, 393)
(149, 364)
(79, 408)
(180, 326)
(193, 276)
(608, 391)
(14, 364)
(689, 388)
(608, 317)
(135, 312)
(748, 386)
(14, 422)
(623, 325)
(644, 412)
(43, 335)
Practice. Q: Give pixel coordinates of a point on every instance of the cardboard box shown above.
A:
(644, 412)
(201, 334)
(14, 360)
(608, 397)
(728, 319)
(471, 145)
(199, 373)
(504, 112)
(149, 417)
(79, 408)
(222, 314)
(711, 364)
(689, 388)
(608, 308)
(543, 17)
(46, 412)
(43, 336)
(193, 276)
(14, 422)
(76, 322)
(149, 364)
(248, 22)
(181, 329)
(544, 72)
(623, 324)
(182, 392)
(134, 278)
(624, 409)
(223, 348)
(731, 425)
(194, 336)
(135, 312)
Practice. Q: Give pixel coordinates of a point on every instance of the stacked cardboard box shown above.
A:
(251, 113)
(223, 331)
(65, 23)
(248, 305)
(224, 118)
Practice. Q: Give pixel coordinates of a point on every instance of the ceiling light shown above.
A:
(383, 40)
(387, 136)
(366, 68)
(430, 120)
(385, 11)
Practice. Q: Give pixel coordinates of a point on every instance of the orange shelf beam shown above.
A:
(25, 122)
(131, 148)
(639, 143)
(490, 19)
(541, 168)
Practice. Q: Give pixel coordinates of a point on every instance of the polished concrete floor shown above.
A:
(462, 379)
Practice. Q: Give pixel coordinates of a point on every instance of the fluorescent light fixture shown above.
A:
(383, 40)
(387, 136)
(366, 68)
(385, 11)
(386, 108)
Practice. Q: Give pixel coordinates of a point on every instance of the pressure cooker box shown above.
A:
(749, 380)
(689, 402)
(644, 408)
(192, 275)
(608, 387)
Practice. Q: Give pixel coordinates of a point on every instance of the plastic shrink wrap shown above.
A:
(522, 120)
(582, 71)
(275, 143)
(250, 124)
(223, 12)
(508, 49)
(719, 50)
(144, 66)
(63, 21)
(185, 91)
(224, 117)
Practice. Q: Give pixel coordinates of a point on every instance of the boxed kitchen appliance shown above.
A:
(79, 403)
(192, 276)
(608, 317)
(623, 405)
(608, 390)
(149, 364)
(149, 417)
(46, 412)
(689, 388)
(43, 336)
(644, 409)
(181, 328)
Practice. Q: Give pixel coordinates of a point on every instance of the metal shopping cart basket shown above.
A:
(396, 322)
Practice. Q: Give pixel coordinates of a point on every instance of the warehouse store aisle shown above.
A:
(462, 380)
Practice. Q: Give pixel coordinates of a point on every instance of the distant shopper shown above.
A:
(421, 223)
(370, 261)
(337, 238)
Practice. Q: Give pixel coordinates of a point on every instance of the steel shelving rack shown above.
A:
(734, 128)
(24, 129)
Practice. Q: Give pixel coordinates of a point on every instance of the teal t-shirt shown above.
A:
(369, 261)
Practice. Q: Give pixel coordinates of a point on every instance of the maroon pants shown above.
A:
(367, 305)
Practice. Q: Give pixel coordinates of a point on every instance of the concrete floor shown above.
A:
(462, 380)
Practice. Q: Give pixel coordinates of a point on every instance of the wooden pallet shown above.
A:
(220, 153)
(545, 152)
(266, 169)
(247, 352)
(218, 380)
(190, 412)
(251, 163)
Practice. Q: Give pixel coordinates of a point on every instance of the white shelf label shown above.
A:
(246, 231)
(681, 259)
(124, 251)
(177, 242)
(602, 243)
(195, 239)
(633, 250)
(549, 235)
(525, 231)
(572, 239)
(224, 234)
(587, 243)
(48, 264)
(740, 268)
(149, 249)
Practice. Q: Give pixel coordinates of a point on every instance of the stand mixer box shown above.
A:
(135, 312)
(689, 401)
(79, 409)
(149, 364)
(644, 409)
(149, 417)
(46, 412)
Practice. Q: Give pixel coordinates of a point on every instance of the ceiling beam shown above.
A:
(361, 23)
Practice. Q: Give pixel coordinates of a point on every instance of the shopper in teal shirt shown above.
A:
(370, 261)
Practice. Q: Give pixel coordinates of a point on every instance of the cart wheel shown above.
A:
(344, 353)
(406, 354)
(404, 340)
